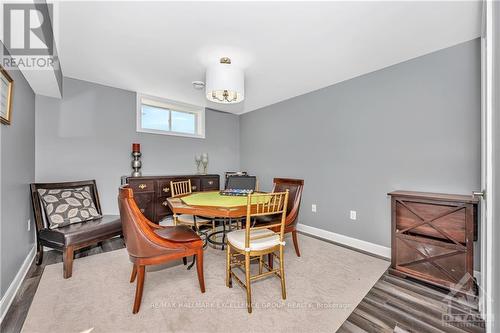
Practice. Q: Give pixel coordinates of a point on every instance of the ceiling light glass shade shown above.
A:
(225, 84)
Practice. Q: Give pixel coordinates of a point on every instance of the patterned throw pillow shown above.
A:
(67, 206)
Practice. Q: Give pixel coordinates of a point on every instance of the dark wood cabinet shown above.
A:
(433, 236)
(151, 192)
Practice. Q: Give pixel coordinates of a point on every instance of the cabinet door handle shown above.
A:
(143, 186)
(193, 187)
(210, 182)
(165, 203)
(166, 189)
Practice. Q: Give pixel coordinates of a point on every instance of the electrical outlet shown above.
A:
(313, 208)
(29, 224)
(352, 215)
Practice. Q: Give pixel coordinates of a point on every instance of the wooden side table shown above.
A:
(433, 238)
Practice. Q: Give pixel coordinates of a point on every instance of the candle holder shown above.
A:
(136, 161)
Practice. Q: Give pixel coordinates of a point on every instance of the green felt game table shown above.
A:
(211, 204)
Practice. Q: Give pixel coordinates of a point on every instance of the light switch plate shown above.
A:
(353, 215)
(313, 208)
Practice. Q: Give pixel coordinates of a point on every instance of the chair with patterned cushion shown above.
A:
(68, 217)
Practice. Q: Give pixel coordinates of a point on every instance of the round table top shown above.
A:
(214, 199)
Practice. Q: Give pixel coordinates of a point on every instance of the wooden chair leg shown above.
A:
(199, 269)
(229, 280)
(282, 272)
(184, 261)
(261, 264)
(296, 243)
(134, 273)
(139, 288)
(247, 278)
(270, 260)
(68, 254)
(39, 254)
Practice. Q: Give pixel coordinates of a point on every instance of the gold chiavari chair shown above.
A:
(182, 188)
(254, 242)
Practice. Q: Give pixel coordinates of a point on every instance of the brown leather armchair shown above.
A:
(294, 187)
(149, 244)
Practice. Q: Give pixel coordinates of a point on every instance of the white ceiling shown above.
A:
(287, 49)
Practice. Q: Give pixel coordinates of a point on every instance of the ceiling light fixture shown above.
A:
(225, 83)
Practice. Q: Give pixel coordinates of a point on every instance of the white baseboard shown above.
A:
(379, 250)
(11, 292)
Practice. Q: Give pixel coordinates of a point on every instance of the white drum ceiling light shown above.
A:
(225, 83)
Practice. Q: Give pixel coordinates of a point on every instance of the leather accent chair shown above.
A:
(150, 244)
(70, 238)
(294, 187)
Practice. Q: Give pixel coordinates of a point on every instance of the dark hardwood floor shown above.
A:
(393, 305)
(396, 304)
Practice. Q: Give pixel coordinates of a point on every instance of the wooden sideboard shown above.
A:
(433, 236)
(151, 192)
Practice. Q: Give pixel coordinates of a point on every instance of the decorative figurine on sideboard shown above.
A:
(204, 161)
(197, 159)
(136, 162)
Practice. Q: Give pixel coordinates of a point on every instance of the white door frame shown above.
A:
(487, 164)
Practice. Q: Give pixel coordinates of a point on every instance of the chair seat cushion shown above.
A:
(82, 232)
(189, 219)
(237, 239)
(179, 233)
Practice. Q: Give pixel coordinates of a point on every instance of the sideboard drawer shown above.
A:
(164, 187)
(162, 206)
(145, 202)
(138, 185)
(195, 184)
(210, 183)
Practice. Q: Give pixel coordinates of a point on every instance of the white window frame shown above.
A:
(171, 105)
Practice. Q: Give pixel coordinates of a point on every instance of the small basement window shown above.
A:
(162, 116)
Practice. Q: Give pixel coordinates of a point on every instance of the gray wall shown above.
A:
(411, 126)
(88, 134)
(17, 172)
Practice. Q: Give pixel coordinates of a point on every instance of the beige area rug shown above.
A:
(323, 287)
